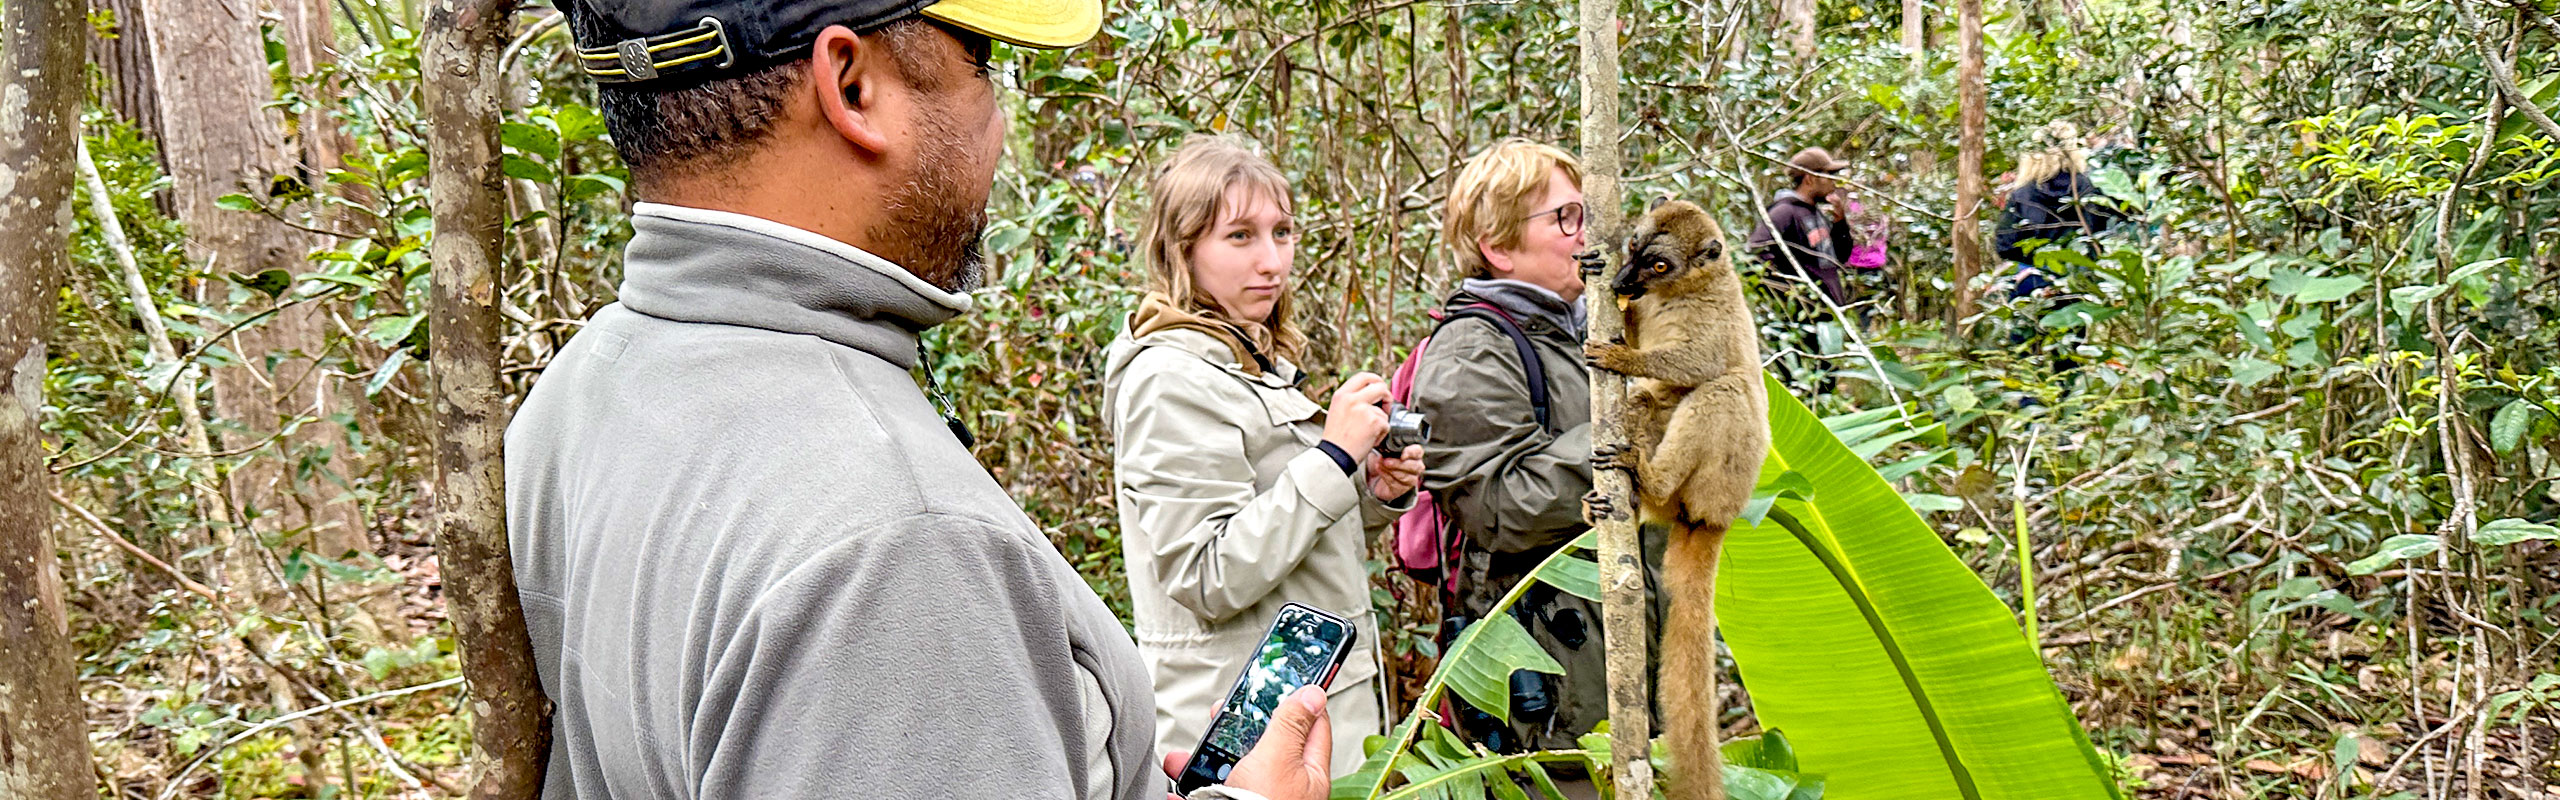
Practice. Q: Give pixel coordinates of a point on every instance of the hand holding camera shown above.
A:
(1361, 421)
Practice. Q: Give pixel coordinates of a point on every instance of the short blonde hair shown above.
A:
(2053, 149)
(1190, 195)
(1490, 199)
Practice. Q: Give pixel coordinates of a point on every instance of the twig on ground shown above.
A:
(171, 789)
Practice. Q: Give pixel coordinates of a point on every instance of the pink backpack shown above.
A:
(1425, 541)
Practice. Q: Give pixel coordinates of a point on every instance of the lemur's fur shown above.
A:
(1697, 421)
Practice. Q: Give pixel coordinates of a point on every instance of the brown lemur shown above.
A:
(1697, 425)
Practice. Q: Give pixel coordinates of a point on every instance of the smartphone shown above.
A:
(1305, 647)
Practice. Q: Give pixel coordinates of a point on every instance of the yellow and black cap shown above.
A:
(649, 41)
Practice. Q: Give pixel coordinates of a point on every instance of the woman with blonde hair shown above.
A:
(1508, 394)
(1237, 494)
(2051, 203)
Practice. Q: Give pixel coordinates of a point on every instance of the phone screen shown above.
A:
(1304, 648)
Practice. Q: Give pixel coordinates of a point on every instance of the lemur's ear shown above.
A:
(1658, 200)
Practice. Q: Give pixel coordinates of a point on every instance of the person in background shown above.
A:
(1236, 493)
(2051, 203)
(1805, 232)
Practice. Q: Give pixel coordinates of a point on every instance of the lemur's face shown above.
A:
(1674, 243)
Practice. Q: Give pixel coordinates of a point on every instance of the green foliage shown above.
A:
(2254, 389)
(1926, 686)
(1478, 665)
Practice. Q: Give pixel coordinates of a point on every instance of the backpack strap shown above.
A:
(1529, 363)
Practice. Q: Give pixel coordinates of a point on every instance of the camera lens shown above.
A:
(1405, 427)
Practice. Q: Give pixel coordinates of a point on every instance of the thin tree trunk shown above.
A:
(1969, 189)
(1622, 596)
(311, 43)
(44, 746)
(510, 725)
(1915, 36)
(215, 511)
(1801, 21)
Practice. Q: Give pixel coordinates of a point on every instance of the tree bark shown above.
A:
(123, 53)
(1622, 594)
(44, 745)
(218, 137)
(1802, 20)
(1971, 102)
(311, 42)
(510, 717)
(1915, 36)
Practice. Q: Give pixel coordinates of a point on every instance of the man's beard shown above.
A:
(932, 213)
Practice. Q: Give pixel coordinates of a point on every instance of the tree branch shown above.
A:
(2502, 72)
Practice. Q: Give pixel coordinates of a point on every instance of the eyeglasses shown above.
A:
(1568, 218)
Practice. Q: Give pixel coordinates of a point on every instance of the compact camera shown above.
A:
(1405, 426)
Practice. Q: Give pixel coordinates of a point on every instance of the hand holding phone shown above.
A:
(1304, 648)
(1294, 760)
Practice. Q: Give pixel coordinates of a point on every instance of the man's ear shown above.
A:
(850, 80)
(1499, 260)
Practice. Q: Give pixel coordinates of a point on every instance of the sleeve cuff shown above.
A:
(1331, 492)
(1340, 458)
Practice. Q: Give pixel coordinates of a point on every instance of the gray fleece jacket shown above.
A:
(755, 563)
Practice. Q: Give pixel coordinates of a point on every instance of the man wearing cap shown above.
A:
(755, 561)
(1798, 234)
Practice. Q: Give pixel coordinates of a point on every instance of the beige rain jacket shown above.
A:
(1227, 511)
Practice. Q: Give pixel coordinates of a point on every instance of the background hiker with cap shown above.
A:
(1237, 494)
(754, 560)
(1805, 231)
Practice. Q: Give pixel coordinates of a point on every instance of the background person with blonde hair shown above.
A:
(1506, 471)
(1236, 493)
(2051, 202)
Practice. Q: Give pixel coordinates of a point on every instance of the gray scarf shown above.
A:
(1524, 300)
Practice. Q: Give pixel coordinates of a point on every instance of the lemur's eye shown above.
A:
(1658, 265)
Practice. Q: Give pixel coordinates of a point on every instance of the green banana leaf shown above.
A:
(1478, 666)
(1894, 671)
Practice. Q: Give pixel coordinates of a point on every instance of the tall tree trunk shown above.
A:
(1801, 20)
(123, 53)
(311, 42)
(44, 744)
(1922, 157)
(1969, 189)
(1622, 601)
(219, 138)
(510, 717)
(1915, 37)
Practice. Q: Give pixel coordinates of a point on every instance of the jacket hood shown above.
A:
(1525, 301)
(1141, 331)
(699, 265)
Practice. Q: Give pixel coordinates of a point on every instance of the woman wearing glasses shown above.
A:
(1507, 473)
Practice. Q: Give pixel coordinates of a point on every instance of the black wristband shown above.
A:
(1340, 458)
